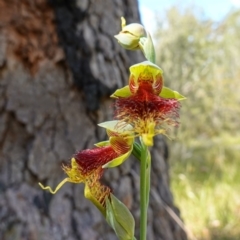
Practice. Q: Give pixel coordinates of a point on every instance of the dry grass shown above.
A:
(206, 185)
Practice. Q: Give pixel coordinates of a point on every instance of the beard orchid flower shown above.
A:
(146, 104)
(87, 166)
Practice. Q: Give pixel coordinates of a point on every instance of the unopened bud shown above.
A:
(130, 35)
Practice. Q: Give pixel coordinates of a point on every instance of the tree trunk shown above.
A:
(59, 63)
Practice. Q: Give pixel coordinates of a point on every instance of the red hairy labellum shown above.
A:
(91, 159)
(145, 105)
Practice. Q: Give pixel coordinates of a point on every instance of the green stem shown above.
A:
(148, 177)
(147, 47)
(144, 192)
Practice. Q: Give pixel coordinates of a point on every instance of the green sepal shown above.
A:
(102, 144)
(169, 93)
(138, 68)
(116, 126)
(122, 92)
(120, 219)
(119, 160)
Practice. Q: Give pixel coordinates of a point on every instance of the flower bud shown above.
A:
(130, 35)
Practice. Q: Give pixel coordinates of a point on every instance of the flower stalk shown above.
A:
(144, 190)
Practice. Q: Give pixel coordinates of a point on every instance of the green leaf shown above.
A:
(120, 219)
(169, 93)
(122, 92)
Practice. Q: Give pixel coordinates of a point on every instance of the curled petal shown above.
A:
(58, 186)
(74, 174)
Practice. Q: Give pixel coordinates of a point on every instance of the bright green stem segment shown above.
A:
(144, 190)
(148, 177)
(147, 47)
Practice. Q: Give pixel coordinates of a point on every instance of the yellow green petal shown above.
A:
(102, 144)
(122, 92)
(119, 160)
(169, 93)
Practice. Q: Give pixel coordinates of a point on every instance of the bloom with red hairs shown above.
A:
(145, 104)
(87, 166)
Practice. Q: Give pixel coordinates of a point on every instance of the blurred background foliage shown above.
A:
(201, 59)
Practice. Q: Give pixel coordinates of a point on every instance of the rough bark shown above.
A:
(58, 65)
